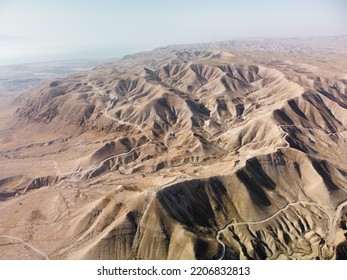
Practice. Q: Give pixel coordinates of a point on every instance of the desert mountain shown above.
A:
(234, 150)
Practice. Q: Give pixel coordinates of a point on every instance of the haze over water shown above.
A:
(40, 30)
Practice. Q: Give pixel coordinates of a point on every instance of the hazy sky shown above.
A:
(65, 29)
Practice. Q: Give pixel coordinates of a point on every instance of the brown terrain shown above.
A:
(232, 150)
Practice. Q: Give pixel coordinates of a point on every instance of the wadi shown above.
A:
(230, 150)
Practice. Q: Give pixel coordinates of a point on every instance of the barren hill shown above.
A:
(232, 152)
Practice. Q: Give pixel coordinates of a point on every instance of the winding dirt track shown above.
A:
(332, 225)
(105, 114)
(137, 127)
(27, 244)
(332, 218)
(266, 220)
(125, 123)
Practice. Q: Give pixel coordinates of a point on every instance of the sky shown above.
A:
(42, 30)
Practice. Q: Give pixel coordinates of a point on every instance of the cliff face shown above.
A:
(196, 155)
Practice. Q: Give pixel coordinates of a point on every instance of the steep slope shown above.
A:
(194, 154)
